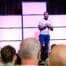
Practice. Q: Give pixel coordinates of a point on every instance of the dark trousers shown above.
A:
(44, 39)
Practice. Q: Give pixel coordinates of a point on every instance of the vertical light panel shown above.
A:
(34, 7)
(58, 20)
(32, 13)
(31, 32)
(10, 34)
(59, 26)
(10, 31)
(10, 21)
(31, 21)
(59, 33)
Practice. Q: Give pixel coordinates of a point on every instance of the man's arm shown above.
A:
(50, 27)
(42, 27)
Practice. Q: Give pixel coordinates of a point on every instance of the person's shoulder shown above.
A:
(9, 64)
(1, 64)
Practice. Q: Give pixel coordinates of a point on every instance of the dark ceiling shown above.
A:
(33, 0)
(9, 7)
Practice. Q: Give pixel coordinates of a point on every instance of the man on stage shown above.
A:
(44, 26)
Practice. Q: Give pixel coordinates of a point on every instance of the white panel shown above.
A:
(57, 42)
(32, 32)
(15, 44)
(10, 21)
(58, 20)
(58, 33)
(31, 21)
(10, 34)
(34, 7)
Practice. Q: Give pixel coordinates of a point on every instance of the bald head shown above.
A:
(58, 56)
(29, 48)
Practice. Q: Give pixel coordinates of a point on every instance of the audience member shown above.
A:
(30, 51)
(58, 56)
(8, 55)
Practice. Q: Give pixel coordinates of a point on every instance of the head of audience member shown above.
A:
(30, 51)
(8, 54)
(58, 56)
(46, 15)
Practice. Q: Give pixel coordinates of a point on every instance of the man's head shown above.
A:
(46, 15)
(8, 54)
(58, 56)
(30, 49)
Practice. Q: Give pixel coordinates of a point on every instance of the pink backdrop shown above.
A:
(32, 13)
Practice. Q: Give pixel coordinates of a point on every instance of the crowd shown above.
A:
(30, 54)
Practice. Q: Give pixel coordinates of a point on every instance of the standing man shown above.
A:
(44, 26)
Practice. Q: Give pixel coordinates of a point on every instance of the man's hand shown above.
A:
(42, 27)
(49, 27)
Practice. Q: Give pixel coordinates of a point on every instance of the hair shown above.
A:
(29, 48)
(52, 46)
(7, 53)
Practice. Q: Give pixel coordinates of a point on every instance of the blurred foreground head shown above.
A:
(30, 51)
(8, 54)
(58, 56)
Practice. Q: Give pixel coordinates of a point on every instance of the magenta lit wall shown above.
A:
(11, 31)
(32, 13)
